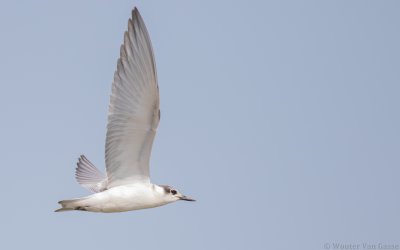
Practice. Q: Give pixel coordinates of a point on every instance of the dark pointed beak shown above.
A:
(185, 198)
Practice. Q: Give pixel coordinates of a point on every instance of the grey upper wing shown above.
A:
(134, 108)
(88, 176)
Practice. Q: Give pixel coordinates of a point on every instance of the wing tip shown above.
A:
(136, 16)
(135, 11)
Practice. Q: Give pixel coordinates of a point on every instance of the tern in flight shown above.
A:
(133, 117)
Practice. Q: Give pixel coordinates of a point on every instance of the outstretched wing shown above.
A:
(134, 108)
(88, 176)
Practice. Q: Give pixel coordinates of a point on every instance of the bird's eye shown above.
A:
(173, 192)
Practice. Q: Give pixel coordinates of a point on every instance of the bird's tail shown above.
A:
(69, 205)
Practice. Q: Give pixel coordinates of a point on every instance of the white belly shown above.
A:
(123, 198)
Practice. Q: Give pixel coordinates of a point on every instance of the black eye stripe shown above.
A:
(167, 189)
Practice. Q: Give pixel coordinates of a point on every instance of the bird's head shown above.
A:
(171, 194)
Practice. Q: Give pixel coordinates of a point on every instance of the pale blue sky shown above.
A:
(280, 117)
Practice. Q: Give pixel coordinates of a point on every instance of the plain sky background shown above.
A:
(280, 117)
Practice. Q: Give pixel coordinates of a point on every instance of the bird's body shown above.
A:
(121, 199)
(133, 118)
